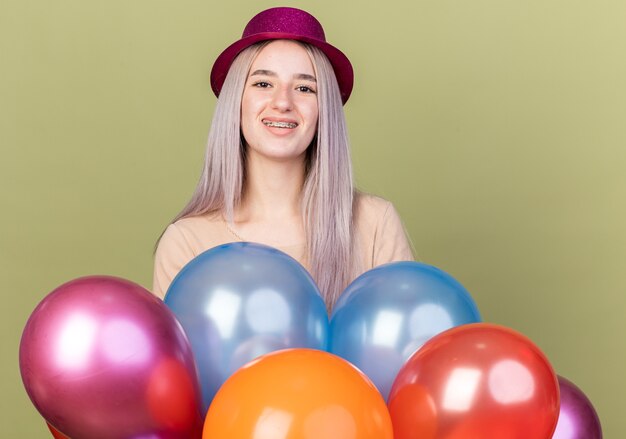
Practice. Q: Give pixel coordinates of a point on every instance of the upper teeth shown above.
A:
(270, 123)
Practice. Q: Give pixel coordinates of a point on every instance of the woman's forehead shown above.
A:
(283, 57)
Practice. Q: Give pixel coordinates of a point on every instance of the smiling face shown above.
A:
(279, 108)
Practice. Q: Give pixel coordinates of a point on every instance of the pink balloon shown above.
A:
(577, 419)
(101, 357)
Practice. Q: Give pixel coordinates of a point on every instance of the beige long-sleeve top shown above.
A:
(381, 236)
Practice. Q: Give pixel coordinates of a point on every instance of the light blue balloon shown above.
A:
(388, 313)
(241, 300)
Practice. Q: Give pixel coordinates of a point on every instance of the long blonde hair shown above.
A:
(328, 192)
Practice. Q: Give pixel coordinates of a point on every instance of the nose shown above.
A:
(282, 100)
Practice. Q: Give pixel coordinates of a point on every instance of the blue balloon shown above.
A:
(241, 300)
(388, 313)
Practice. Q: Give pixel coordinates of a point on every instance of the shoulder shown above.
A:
(193, 224)
(194, 233)
(369, 204)
(195, 228)
(180, 243)
(381, 234)
(370, 210)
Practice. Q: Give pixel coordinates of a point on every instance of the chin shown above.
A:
(282, 154)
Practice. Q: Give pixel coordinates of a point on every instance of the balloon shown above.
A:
(298, 394)
(578, 419)
(387, 313)
(56, 434)
(241, 300)
(101, 357)
(475, 381)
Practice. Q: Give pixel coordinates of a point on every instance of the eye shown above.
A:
(261, 84)
(305, 89)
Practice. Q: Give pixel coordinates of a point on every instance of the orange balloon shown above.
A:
(298, 394)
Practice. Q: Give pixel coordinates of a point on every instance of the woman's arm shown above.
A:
(391, 242)
(172, 254)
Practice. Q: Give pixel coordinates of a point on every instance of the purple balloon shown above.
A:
(101, 357)
(577, 418)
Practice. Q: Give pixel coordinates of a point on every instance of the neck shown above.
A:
(272, 189)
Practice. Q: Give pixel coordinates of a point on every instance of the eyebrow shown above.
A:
(303, 76)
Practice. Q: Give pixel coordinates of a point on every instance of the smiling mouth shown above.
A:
(274, 124)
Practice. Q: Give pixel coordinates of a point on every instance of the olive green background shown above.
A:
(497, 128)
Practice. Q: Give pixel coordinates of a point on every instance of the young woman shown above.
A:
(277, 169)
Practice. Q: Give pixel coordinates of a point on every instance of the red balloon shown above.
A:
(171, 396)
(56, 434)
(475, 381)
